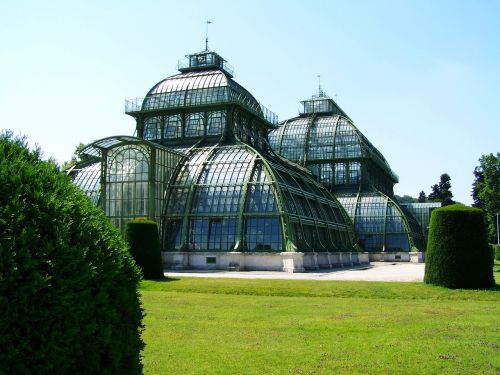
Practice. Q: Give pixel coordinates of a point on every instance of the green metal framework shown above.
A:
(203, 168)
(129, 179)
(422, 213)
(241, 199)
(381, 223)
(324, 140)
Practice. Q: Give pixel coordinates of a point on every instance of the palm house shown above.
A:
(324, 140)
(201, 165)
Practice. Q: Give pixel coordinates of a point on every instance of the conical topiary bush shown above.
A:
(144, 242)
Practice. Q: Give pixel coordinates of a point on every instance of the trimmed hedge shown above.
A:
(68, 286)
(144, 242)
(458, 254)
(496, 249)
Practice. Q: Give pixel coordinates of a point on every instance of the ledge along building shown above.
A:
(324, 140)
(202, 167)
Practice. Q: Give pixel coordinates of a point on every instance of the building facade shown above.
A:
(230, 187)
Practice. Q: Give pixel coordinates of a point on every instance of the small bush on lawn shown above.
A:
(458, 254)
(496, 249)
(68, 286)
(142, 236)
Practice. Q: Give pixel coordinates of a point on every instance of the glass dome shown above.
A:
(235, 198)
(334, 149)
(194, 88)
(324, 140)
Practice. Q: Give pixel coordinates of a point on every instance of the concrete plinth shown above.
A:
(397, 256)
(291, 262)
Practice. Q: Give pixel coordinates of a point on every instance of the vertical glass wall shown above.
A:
(127, 183)
(172, 127)
(130, 179)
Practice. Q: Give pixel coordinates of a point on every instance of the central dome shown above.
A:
(195, 88)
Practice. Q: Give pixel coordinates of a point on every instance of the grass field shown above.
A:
(235, 326)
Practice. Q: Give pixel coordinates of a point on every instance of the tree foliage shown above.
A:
(442, 192)
(68, 286)
(77, 158)
(406, 199)
(422, 198)
(458, 254)
(486, 190)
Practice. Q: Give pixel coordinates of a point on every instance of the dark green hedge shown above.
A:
(68, 286)
(458, 254)
(142, 236)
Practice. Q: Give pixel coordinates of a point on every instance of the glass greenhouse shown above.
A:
(324, 140)
(202, 167)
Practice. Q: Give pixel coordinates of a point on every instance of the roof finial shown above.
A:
(206, 35)
(320, 90)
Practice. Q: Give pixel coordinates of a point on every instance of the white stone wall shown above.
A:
(261, 261)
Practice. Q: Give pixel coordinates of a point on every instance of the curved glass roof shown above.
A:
(221, 194)
(381, 223)
(324, 138)
(198, 85)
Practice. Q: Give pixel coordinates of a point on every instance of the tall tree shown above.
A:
(422, 198)
(442, 192)
(77, 158)
(486, 190)
(406, 199)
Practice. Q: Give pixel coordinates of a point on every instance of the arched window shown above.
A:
(127, 189)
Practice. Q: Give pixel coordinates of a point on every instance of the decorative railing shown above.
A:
(217, 96)
(133, 105)
(186, 63)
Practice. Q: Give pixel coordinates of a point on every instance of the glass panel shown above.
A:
(217, 199)
(172, 127)
(152, 128)
(260, 199)
(195, 125)
(263, 234)
(88, 179)
(216, 122)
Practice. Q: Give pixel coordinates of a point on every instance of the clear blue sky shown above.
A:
(421, 79)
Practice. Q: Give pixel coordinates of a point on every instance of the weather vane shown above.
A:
(320, 91)
(206, 35)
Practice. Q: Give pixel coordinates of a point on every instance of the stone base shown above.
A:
(397, 256)
(286, 261)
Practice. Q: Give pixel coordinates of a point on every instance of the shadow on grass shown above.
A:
(166, 279)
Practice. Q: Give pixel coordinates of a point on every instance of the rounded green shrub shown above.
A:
(496, 249)
(458, 254)
(68, 286)
(144, 242)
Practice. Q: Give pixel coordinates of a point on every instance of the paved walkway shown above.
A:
(376, 271)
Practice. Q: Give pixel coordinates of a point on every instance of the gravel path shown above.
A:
(376, 271)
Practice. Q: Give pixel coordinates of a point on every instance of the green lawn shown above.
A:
(234, 326)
